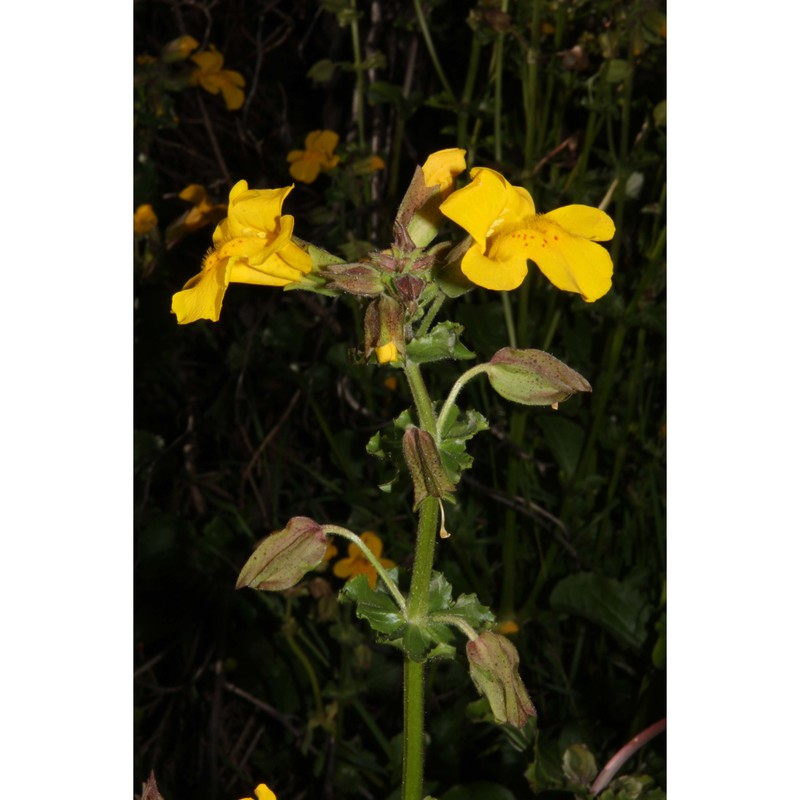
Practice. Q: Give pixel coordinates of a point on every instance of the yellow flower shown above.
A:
(210, 75)
(179, 49)
(144, 220)
(357, 564)
(387, 353)
(507, 627)
(252, 245)
(202, 213)
(318, 155)
(443, 167)
(331, 552)
(263, 792)
(507, 232)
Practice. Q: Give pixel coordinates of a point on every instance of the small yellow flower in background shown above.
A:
(252, 245)
(144, 220)
(305, 165)
(263, 792)
(356, 563)
(368, 165)
(507, 231)
(210, 75)
(145, 60)
(331, 552)
(202, 213)
(179, 49)
(507, 627)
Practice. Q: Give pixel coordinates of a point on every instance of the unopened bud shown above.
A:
(425, 465)
(384, 323)
(358, 279)
(533, 378)
(419, 211)
(493, 667)
(283, 558)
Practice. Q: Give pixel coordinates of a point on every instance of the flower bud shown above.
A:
(493, 667)
(358, 279)
(283, 558)
(419, 209)
(425, 465)
(533, 377)
(384, 322)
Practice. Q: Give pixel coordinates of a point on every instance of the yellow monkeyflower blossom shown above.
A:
(210, 75)
(507, 232)
(318, 155)
(356, 563)
(144, 220)
(253, 244)
(263, 792)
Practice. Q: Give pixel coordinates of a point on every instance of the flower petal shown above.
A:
(273, 272)
(201, 297)
(373, 543)
(255, 211)
(499, 274)
(323, 141)
(590, 223)
(443, 167)
(305, 170)
(487, 204)
(263, 792)
(571, 263)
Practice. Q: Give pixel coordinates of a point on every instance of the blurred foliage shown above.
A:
(241, 424)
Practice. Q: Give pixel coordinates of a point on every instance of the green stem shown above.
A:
(423, 558)
(426, 34)
(359, 73)
(454, 392)
(456, 622)
(422, 400)
(498, 92)
(413, 728)
(466, 95)
(430, 315)
(414, 672)
(531, 85)
(370, 556)
(508, 316)
(288, 632)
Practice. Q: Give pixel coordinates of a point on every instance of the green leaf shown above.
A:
(618, 70)
(473, 612)
(579, 765)
(617, 607)
(565, 439)
(373, 605)
(429, 639)
(388, 446)
(457, 429)
(441, 343)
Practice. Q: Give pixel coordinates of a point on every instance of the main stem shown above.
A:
(414, 671)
